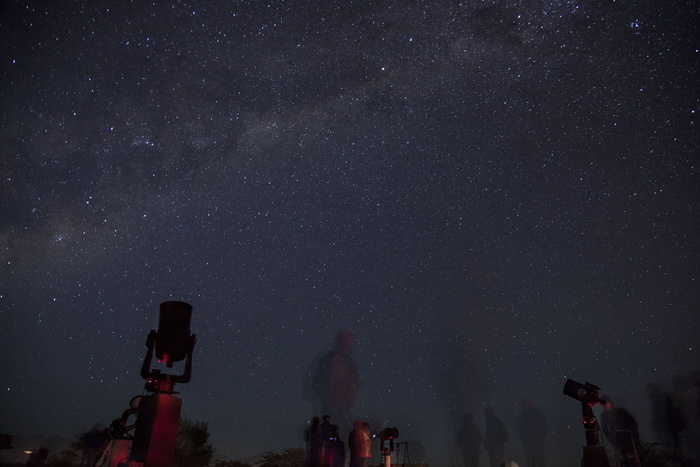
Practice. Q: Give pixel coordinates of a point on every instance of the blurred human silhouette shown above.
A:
(620, 428)
(495, 438)
(694, 415)
(360, 444)
(658, 402)
(676, 424)
(332, 448)
(366, 427)
(684, 419)
(338, 448)
(337, 380)
(532, 430)
(469, 441)
(313, 442)
(326, 431)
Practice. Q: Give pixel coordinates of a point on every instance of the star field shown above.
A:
(494, 197)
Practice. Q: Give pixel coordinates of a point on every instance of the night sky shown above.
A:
(492, 196)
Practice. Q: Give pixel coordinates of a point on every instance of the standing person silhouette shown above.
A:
(313, 442)
(532, 430)
(469, 440)
(495, 438)
(359, 444)
(658, 405)
(337, 380)
(620, 428)
(328, 436)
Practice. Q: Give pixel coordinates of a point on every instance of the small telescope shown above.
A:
(586, 393)
(387, 434)
(594, 454)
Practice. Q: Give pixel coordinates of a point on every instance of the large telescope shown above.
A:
(157, 413)
(172, 343)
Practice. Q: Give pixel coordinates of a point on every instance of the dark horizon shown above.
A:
(562, 447)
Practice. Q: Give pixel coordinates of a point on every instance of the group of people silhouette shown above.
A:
(326, 448)
(333, 382)
(674, 435)
(532, 430)
(675, 417)
(675, 424)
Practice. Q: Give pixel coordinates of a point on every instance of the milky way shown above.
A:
(493, 197)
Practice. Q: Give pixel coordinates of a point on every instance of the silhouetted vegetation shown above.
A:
(290, 457)
(654, 456)
(85, 448)
(231, 464)
(193, 447)
(66, 458)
